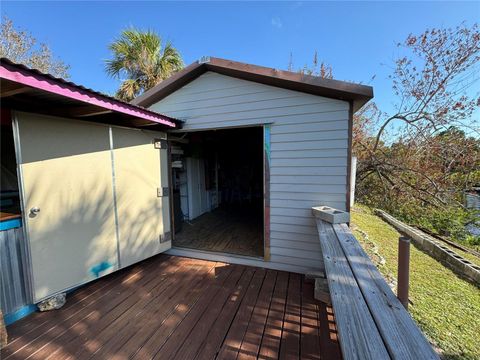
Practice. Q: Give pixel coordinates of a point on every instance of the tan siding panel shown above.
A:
(67, 173)
(142, 216)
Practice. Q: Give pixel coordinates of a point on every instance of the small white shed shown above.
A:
(236, 115)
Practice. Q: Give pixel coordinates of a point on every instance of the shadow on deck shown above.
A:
(179, 308)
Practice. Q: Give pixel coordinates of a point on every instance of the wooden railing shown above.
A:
(371, 321)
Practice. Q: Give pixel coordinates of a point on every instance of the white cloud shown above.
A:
(276, 22)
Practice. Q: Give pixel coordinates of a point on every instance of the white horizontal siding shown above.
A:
(308, 179)
(301, 154)
(309, 147)
(319, 144)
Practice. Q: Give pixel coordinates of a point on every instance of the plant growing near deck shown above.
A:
(141, 61)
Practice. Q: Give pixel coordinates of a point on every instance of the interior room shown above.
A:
(217, 178)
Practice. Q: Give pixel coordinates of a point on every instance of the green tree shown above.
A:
(141, 62)
(21, 47)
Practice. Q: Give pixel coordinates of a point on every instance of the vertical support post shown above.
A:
(353, 178)
(403, 270)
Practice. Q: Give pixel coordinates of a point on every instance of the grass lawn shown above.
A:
(446, 308)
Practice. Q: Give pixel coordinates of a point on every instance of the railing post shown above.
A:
(403, 270)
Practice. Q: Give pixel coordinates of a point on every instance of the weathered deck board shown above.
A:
(392, 320)
(352, 313)
(172, 307)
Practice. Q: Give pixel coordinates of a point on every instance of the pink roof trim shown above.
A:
(27, 77)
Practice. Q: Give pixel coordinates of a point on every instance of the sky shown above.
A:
(358, 39)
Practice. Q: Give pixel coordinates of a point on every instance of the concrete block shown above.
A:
(331, 215)
(315, 274)
(428, 246)
(322, 293)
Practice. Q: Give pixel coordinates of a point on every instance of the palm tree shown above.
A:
(141, 61)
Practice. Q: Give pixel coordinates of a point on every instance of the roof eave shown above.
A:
(32, 78)
(359, 95)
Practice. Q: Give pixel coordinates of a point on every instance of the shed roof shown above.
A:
(355, 93)
(28, 89)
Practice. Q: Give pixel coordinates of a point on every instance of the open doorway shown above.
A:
(9, 195)
(218, 188)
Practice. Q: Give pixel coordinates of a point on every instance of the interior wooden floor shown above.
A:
(233, 230)
(179, 308)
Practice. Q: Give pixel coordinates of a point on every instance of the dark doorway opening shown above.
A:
(218, 188)
(9, 194)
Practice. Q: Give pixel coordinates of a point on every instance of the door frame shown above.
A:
(266, 132)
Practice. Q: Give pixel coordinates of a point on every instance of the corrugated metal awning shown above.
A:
(27, 89)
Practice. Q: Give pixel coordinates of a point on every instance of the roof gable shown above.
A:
(357, 94)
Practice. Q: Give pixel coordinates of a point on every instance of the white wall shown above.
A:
(309, 146)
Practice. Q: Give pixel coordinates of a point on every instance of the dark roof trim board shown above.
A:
(35, 79)
(359, 95)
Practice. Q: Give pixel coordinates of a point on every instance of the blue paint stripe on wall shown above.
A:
(10, 224)
(20, 313)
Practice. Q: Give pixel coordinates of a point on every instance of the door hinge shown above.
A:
(165, 237)
(163, 191)
(160, 143)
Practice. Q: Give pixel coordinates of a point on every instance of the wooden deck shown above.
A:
(178, 308)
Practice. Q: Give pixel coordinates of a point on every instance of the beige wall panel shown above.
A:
(66, 170)
(142, 216)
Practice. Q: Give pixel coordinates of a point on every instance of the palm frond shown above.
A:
(128, 90)
(138, 56)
